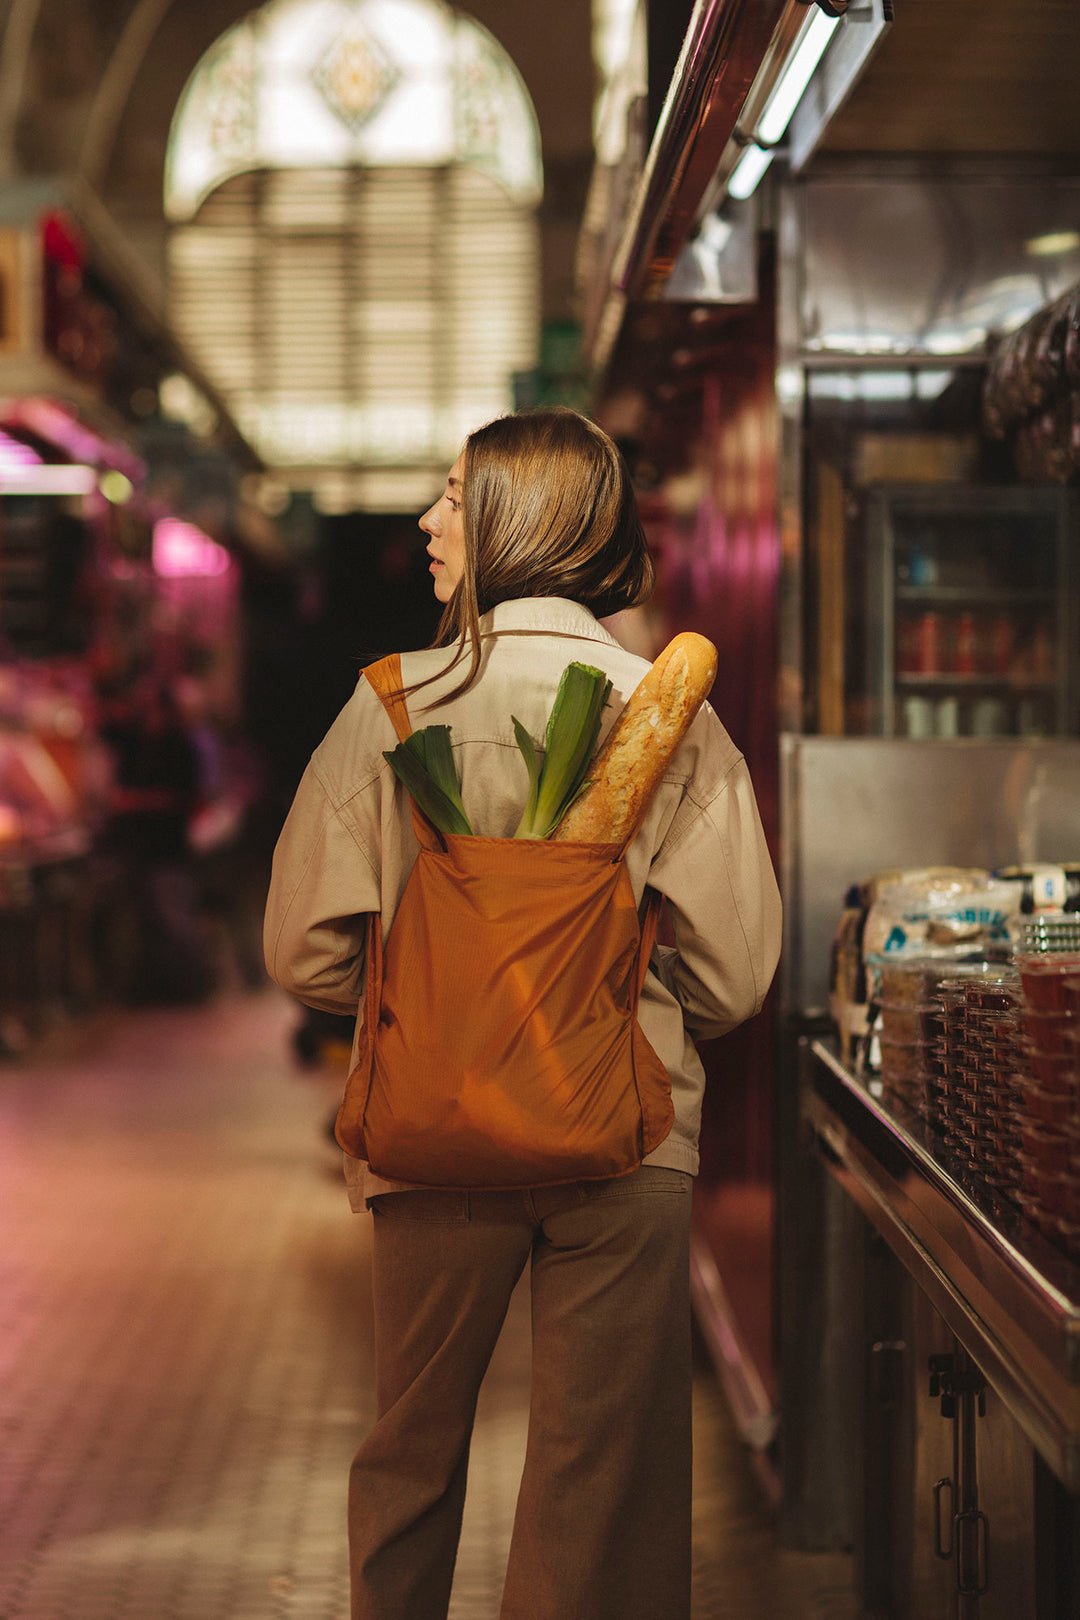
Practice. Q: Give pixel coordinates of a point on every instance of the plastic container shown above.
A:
(987, 995)
(1068, 1236)
(1049, 1149)
(908, 1021)
(1039, 1217)
(904, 1060)
(1054, 1108)
(1053, 1070)
(907, 980)
(1043, 976)
(1047, 1031)
(1072, 1050)
(1052, 1190)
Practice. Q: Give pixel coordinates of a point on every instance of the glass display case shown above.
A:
(971, 615)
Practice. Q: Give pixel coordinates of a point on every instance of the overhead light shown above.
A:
(181, 401)
(747, 173)
(1054, 242)
(789, 88)
(59, 479)
(783, 99)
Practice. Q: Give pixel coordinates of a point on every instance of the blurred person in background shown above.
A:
(154, 796)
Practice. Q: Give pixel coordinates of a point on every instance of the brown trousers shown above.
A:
(602, 1528)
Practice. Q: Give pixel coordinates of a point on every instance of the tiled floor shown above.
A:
(184, 1350)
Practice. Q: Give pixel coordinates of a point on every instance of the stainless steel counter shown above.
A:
(1008, 1295)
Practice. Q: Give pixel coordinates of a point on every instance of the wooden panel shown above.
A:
(830, 544)
(979, 76)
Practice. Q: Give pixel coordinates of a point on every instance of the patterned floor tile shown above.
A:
(185, 1362)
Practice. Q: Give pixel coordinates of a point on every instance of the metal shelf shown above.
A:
(975, 595)
(966, 683)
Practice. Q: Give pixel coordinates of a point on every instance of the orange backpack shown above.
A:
(500, 1046)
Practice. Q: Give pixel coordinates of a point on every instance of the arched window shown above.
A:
(352, 190)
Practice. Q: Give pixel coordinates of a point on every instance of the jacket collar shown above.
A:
(555, 615)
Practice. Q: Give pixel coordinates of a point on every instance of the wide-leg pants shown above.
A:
(602, 1527)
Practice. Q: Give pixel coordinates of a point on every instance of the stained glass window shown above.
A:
(314, 83)
(354, 255)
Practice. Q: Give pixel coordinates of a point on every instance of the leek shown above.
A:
(425, 764)
(425, 761)
(568, 746)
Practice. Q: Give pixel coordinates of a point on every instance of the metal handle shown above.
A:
(940, 1550)
(978, 1581)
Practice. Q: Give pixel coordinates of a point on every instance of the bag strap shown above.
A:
(385, 681)
(649, 922)
(384, 678)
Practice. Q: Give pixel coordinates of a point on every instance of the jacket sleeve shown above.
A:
(323, 883)
(724, 904)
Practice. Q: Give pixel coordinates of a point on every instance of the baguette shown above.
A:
(627, 770)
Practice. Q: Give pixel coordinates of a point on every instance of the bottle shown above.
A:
(966, 657)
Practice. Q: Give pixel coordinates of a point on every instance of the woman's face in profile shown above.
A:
(445, 525)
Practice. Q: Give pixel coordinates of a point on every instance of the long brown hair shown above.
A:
(548, 510)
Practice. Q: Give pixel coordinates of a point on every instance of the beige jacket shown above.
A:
(348, 846)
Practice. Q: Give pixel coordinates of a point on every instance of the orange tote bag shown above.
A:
(500, 1045)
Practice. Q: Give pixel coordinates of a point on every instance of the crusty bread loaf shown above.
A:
(627, 770)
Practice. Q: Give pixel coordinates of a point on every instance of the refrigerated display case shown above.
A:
(970, 612)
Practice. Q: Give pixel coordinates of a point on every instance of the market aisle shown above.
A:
(184, 1349)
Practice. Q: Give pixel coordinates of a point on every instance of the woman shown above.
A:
(535, 535)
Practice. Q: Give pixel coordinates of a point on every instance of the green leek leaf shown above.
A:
(425, 764)
(571, 736)
(532, 765)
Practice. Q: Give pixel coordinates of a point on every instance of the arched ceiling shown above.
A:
(102, 78)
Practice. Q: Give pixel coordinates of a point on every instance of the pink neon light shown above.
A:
(181, 549)
(13, 453)
(53, 422)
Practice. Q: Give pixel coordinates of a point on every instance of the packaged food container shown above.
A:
(1039, 1217)
(1052, 1191)
(1000, 1029)
(989, 994)
(910, 1020)
(906, 979)
(1048, 1031)
(1053, 1070)
(997, 1103)
(1068, 1232)
(1005, 1144)
(1049, 1149)
(1043, 976)
(1072, 1049)
(903, 1060)
(1054, 1108)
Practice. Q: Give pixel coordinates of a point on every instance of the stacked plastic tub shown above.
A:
(989, 1056)
(1049, 1108)
(977, 1091)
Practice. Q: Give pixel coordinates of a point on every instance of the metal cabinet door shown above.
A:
(1005, 1469)
(935, 1481)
